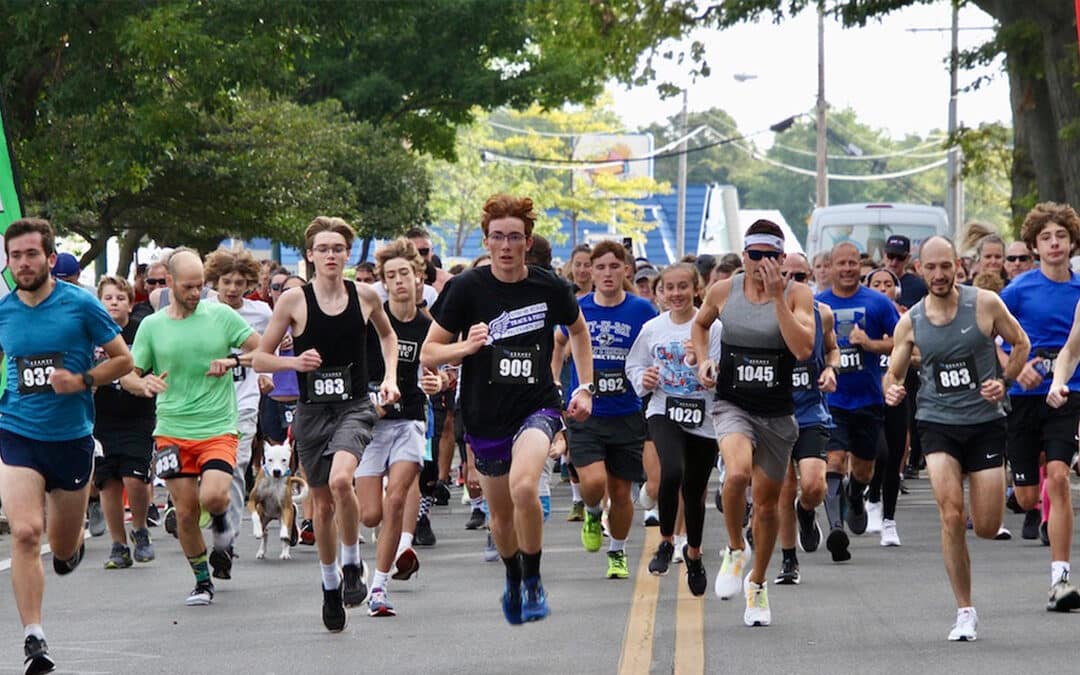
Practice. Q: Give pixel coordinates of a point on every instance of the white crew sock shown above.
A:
(331, 577)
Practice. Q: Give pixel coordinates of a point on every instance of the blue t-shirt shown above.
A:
(858, 379)
(612, 331)
(1044, 309)
(62, 331)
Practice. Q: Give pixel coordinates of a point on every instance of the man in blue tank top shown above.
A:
(334, 417)
(1044, 300)
(961, 417)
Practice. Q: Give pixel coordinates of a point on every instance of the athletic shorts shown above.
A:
(1035, 427)
(773, 437)
(976, 447)
(494, 455)
(199, 456)
(127, 455)
(811, 444)
(393, 441)
(323, 429)
(275, 418)
(615, 441)
(65, 465)
(857, 431)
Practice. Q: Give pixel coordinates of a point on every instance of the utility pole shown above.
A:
(822, 181)
(680, 220)
(954, 203)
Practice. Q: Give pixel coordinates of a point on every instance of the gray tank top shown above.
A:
(956, 359)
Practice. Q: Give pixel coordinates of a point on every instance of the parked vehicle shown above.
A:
(869, 226)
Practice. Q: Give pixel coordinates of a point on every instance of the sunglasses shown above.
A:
(758, 255)
(155, 282)
(797, 276)
(1018, 258)
(276, 287)
(896, 256)
(423, 251)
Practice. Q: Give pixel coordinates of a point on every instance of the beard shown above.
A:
(37, 282)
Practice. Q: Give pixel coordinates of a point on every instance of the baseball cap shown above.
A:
(705, 264)
(649, 273)
(898, 244)
(66, 265)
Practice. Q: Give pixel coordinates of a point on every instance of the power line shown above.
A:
(909, 152)
(552, 134)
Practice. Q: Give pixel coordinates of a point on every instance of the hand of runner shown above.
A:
(1058, 397)
(389, 392)
(219, 367)
(858, 336)
(707, 373)
(477, 338)
(580, 406)
(266, 384)
(993, 390)
(431, 382)
(152, 385)
(690, 358)
(558, 446)
(774, 281)
(286, 343)
(650, 379)
(895, 394)
(1029, 378)
(827, 380)
(307, 362)
(64, 381)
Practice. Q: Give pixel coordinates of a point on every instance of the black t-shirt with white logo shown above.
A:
(509, 378)
(410, 337)
(117, 410)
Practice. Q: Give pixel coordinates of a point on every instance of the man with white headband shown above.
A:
(768, 326)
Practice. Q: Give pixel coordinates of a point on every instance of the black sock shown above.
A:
(833, 487)
(530, 564)
(513, 568)
(218, 522)
(789, 554)
(95, 499)
(855, 488)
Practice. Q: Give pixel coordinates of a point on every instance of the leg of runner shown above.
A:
(789, 570)
(737, 450)
(139, 501)
(1061, 513)
(651, 462)
(699, 458)
(214, 487)
(112, 505)
(401, 476)
(406, 564)
(501, 507)
(765, 523)
(529, 454)
(592, 481)
(947, 481)
(347, 518)
(22, 491)
(896, 433)
(185, 496)
(670, 446)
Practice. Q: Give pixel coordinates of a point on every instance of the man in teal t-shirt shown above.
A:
(182, 354)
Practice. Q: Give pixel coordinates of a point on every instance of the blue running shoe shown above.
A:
(511, 604)
(535, 606)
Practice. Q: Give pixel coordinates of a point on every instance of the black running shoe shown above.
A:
(153, 517)
(749, 537)
(170, 520)
(857, 518)
(719, 500)
(838, 543)
(294, 534)
(441, 493)
(221, 564)
(746, 515)
(423, 536)
(789, 573)
(696, 578)
(1044, 533)
(1032, 519)
(476, 520)
(1012, 504)
(37, 656)
(334, 616)
(355, 587)
(809, 531)
(63, 567)
(662, 559)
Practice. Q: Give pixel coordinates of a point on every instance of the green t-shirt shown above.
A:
(195, 406)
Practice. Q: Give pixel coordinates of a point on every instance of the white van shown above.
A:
(868, 226)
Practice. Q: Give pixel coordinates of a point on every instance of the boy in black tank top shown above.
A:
(334, 417)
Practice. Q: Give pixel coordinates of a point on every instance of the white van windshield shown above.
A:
(871, 238)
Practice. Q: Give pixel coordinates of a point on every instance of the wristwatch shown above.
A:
(88, 380)
(236, 358)
(586, 387)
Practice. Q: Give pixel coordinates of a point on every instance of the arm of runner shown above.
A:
(827, 379)
(440, 345)
(640, 369)
(266, 359)
(581, 348)
(389, 345)
(893, 381)
(699, 331)
(219, 367)
(795, 313)
(146, 386)
(1065, 365)
(558, 354)
(858, 337)
(119, 363)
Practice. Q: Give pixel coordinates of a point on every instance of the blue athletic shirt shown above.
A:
(1044, 309)
(62, 331)
(811, 408)
(858, 379)
(612, 331)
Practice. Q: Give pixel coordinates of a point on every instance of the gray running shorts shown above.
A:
(772, 437)
(323, 429)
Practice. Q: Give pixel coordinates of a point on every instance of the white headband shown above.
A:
(767, 239)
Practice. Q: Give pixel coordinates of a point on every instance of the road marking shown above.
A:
(689, 631)
(5, 564)
(637, 648)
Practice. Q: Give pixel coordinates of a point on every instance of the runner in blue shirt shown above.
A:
(48, 331)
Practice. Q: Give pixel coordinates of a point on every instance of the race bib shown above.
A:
(610, 383)
(167, 462)
(515, 365)
(1049, 358)
(851, 360)
(239, 373)
(326, 385)
(756, 372)
(956, 375)
(34, 372)
(801, 378)
(686, 412)
(288, 410)
(884, 360)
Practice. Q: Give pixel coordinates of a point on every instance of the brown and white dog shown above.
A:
(274, 497)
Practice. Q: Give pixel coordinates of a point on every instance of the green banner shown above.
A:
(10, 203)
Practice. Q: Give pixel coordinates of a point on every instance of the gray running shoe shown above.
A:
(95, 519)
(119, 558)
(144, 550)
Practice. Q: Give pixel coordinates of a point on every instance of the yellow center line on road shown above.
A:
(689, 629)
(636, 657)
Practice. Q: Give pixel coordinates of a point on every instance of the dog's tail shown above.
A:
(298, 487)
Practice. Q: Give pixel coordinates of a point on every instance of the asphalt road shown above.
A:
(887, 611)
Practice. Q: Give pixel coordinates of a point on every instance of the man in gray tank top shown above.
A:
(961, 416)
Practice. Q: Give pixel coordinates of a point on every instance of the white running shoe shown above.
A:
(643, 498)
(729, 580)
(757, 604)
(679, 542)
(964, 628)
(874, 517)
(889, 537)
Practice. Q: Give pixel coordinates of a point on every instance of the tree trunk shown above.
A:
(97, 247)
(365, 247)
(129, 244)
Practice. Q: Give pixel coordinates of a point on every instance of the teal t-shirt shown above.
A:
(195, 406)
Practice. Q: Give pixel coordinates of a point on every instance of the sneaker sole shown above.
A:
(787, 581)
(198, 603)
(837, 544)
(658, 573)
(1066, 604)
(405, 575)
(381, 612)
(963, 638)
(221, 564)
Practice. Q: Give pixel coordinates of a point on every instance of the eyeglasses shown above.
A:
(896, 256)
(1018, 258)
(758, 255)
(513, 237)
(423, 251)
(276, 287)
(797, 276)
(336, 250)
(155, 282)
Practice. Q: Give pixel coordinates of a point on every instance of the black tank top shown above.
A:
(410, 337)
(341, 340)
